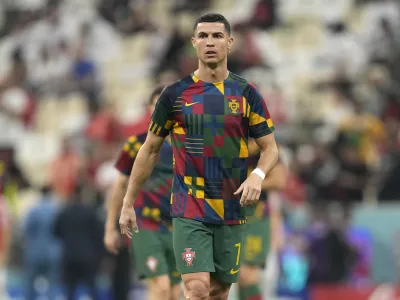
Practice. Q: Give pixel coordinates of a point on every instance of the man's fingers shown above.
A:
(239, 190)
(134, 226)
(243, 199)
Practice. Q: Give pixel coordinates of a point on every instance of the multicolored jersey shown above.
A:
(210, 124)
(152, 206)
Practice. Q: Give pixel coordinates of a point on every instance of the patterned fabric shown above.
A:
(210, 124)
(152, 206)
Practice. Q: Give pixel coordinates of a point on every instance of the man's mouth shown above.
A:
(210, 52)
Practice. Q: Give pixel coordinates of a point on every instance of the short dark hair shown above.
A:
(213, 18)
(156, 91)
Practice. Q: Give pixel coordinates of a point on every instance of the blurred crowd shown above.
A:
(74, 76)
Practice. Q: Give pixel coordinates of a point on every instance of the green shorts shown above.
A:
(201, 247)
(256, 242)
(154, 256)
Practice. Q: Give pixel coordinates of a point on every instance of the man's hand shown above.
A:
(250, 189)
(112, 240)
(127, 221)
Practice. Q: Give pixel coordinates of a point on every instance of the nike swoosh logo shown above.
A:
(233, 272)
(190, 104)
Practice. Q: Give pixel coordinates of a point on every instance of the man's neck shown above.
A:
(208, 74)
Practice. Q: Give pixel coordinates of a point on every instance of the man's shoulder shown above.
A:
(243, 84)
(178, 86)
(238, 78)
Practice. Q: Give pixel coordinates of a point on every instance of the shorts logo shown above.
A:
(233, 106)
(189, 256)
(152, 263)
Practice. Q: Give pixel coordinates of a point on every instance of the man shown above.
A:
(43, 251)
(152, 246)
(262, 229)
(211, 114)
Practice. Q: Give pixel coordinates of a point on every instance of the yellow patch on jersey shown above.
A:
(244, 150)
(256, 119)
(218, 206)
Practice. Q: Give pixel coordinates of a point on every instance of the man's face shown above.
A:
(212, 42)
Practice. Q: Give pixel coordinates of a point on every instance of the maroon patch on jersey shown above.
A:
(194, 208)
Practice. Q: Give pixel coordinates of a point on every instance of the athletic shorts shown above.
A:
(256, 242)
(202, 247)
(154, 256)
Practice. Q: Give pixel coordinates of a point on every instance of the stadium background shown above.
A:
(74, 77)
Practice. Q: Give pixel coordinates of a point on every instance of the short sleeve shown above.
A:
(161, 122)
(260, 122)
(128, 155)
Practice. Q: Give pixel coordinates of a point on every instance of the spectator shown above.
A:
(42, 250)
(65, 171)
(80, 231)
(84, 74)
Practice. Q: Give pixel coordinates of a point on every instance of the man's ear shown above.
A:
(194, 42)
(230, 41)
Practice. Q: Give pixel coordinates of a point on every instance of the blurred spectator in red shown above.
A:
(104, 127)
(65, 171)
(265, 14)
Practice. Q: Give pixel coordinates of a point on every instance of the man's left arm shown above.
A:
(261, 129)
(268, 154)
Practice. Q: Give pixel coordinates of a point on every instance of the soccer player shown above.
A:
(152, 246)
(260, 231)
(210, 114)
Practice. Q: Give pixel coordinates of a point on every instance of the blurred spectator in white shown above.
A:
(15, 114)
(42, 250)
(340, 50)
(381, 30)
(65, 171)
(51, 72)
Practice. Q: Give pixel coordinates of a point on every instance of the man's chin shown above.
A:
(212, 62)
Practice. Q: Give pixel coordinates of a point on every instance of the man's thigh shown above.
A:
(193, 246)
(228, 247)
(256, 242)
(149, 254)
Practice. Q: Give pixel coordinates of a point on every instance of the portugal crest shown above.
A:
(189, 256)
(233, 106)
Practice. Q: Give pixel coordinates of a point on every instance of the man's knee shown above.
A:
(248, 275)
(197, 286)
(161, 286)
